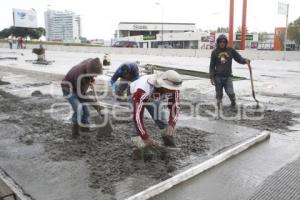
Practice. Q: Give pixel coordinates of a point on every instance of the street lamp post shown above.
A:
(162, 21)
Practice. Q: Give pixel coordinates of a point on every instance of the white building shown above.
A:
(62, 26)
(126, 29)
(172, 35)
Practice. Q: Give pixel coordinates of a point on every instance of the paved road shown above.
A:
(283, 184)
(240, 177)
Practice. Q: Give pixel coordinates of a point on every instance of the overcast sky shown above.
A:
(100, 18)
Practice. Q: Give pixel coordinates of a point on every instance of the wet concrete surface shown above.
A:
(239, 177)
(32, 141)
(39, 152)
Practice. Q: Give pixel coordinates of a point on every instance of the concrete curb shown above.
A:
(13, 186)
(179, 178)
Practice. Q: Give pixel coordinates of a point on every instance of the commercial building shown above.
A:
(62, 26)
(126, 29)
(173, 35)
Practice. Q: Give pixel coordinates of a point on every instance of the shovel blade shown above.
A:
(105, 129)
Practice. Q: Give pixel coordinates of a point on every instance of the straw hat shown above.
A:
(169, 79)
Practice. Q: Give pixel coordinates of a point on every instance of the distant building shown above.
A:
(173, 35)
(156, 34)
(126, 29)
(62, 26)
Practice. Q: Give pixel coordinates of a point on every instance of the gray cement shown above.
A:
(40, 154)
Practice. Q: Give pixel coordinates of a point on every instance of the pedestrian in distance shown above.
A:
(10, 41)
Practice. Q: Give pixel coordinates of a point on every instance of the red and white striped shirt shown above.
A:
(144, 93)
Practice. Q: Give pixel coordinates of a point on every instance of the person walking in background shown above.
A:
(10, 41)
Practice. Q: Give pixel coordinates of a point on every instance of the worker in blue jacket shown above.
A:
(127, 73)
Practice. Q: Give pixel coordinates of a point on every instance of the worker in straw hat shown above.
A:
(148, 92)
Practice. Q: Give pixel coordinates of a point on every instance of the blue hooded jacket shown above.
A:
(124, 69)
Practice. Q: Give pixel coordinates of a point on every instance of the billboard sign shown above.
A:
(25, 18)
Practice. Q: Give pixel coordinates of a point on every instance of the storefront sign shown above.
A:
(149, 37)
(239, 37)
(139, 27)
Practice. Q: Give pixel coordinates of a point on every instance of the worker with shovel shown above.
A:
(74, 88)
(127, 73)
(148, 92)
(220, 69)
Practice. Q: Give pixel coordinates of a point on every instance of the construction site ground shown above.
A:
(39, 154)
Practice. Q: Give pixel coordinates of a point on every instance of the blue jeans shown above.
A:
(157, 114)
(81, 112)
(226, 83)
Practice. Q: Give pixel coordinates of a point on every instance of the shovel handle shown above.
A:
(94, 92)
(252, 85)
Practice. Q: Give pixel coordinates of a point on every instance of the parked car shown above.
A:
(128, 44)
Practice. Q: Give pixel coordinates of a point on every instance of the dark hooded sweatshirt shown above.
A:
(221, 61)
(88, 68)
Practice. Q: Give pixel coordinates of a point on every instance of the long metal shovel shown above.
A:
(252, 86)
(106, 127)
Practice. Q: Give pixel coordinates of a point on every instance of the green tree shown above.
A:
(263, 36)
(294, 31)
(239, 30)
(34, 33)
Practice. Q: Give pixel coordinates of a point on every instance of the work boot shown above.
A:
(219, 107)
(75, 130)
(169, 140)
(233, 104)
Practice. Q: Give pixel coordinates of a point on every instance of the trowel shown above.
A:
(103, 119)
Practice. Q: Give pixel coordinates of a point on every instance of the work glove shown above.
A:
(138, 142)
(150, 142)
(170, 131)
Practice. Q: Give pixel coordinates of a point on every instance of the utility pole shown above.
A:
(244, 25)
(162, 21)
(231, 17)
(286, 30)
(283, 9)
